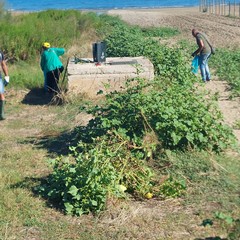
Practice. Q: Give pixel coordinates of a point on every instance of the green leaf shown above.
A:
(94, 203)
(73, 190)
(68, 207)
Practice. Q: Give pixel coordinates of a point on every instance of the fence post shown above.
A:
(221, 6)
(239, 9)
(219, 9)
(224, 8)
(229, 9)
(234, 7)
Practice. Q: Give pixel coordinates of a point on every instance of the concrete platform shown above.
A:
(90, 78)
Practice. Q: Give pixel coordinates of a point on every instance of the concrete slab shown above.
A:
(90, 78)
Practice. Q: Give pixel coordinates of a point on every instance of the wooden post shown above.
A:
(239, 9)
(234, 8)
(229, 9)
(221, 7)
(218, 6)
(224, 7)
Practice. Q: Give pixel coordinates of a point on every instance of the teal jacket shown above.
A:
(50, 59)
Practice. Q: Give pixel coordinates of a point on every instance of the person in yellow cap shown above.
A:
(51, 66)
(3, 83)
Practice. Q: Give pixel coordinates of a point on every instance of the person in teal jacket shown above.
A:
(51, 66)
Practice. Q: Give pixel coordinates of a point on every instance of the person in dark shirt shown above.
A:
(204, 52)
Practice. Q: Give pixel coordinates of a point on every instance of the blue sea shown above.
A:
(38, 5)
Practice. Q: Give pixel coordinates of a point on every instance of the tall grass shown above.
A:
(22, 35)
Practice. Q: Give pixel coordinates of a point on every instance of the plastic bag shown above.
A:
(195, 64)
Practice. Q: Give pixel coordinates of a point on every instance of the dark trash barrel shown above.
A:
(99, 52)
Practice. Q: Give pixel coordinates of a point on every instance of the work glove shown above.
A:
(6, 80)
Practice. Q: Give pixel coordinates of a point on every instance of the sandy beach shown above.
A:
(223, 31)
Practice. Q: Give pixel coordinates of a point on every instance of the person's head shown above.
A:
(194, 32)
(46, 45)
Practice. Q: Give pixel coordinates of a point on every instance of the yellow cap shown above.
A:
(46, 45)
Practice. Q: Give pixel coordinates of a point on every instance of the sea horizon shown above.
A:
(33, 5)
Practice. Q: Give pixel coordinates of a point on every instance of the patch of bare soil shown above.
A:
(222, 31)
(230, 108)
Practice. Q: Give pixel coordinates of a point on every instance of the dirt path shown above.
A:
(229, 108)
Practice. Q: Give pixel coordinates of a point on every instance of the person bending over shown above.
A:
(204, 52)
(51, 66)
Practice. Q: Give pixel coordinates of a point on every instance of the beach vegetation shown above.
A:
(227, 62)
(160, 139)
(161, 32)
(116, 140)
(23, 34)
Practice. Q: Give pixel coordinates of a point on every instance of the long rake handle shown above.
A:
(65, 71)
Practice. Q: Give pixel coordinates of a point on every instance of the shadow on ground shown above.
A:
(37, 96)
(56, 143)
(39, 187)
(211, 238)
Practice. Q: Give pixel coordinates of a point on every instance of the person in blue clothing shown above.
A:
(204, 53)
(3, 82)
(51, 66)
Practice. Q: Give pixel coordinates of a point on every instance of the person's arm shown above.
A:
(59, 51)
(5, 70)
(200, 47)
(4, 67)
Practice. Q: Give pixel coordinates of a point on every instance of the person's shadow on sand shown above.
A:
(37, 96)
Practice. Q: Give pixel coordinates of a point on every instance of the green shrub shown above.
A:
(227, 65)
(180, 117)
(125, 140)
(163, 32)
(95, 173)
(22, 35)
(24, 75)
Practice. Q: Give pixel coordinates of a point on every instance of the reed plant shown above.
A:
(22, 35)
